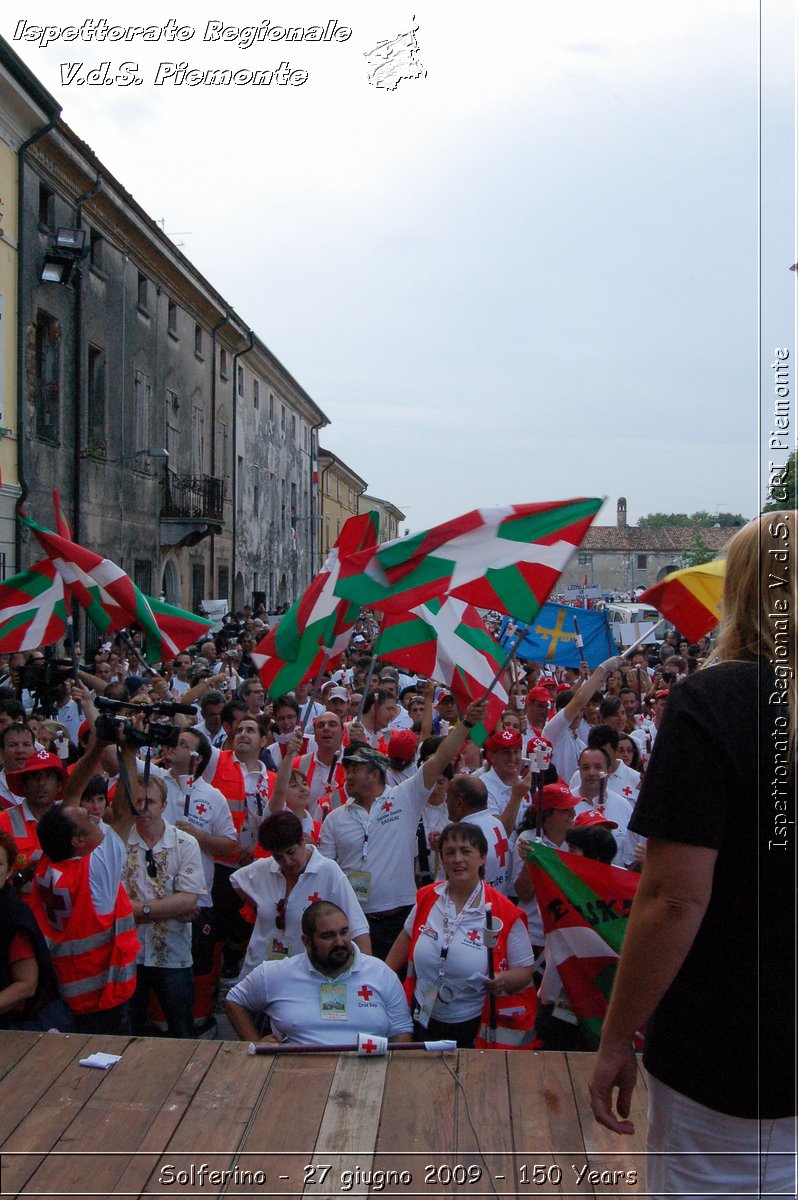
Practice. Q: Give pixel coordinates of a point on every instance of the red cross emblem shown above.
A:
(501, 846)
(57, 901)
(366, 992)
(473, 935)
(201, 808)
(369, 1046)
(314, 899)
(627, 791)
(388, 805)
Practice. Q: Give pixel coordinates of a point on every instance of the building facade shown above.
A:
(623, 558)
(340, 493)
(390, 516)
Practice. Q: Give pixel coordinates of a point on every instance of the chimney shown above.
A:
(621, 512)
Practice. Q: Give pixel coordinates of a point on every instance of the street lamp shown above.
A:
(68, 250)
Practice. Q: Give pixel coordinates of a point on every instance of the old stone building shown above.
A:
(622, 558)
(340, 492)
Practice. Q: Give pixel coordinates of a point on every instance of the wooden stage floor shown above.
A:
(172, 1113)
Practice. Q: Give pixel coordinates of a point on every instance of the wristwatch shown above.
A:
(145, 911)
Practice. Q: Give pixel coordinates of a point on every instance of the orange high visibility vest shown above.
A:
(229, 779)
(94, 954)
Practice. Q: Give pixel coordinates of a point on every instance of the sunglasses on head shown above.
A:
(152, 866)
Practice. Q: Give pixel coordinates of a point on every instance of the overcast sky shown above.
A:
(533, 273)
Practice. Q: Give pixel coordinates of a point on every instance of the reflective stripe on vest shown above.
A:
(95, 983)
(81, 945)
(502, 1037)
(18, 827)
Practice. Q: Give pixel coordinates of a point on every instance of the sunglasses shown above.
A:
(279, 920)
(152, 866)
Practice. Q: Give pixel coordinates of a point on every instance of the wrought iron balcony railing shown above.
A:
(198, 496)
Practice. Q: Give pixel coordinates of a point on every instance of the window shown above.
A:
(95, 416)
(642, 562)
(271, 406)
(282, 417)
(172, 427)
(255, 500)
(223, 363)
(222, 447)
(171, 318)
(198, 340)
(96, 241)
(255, 393)
(143, 291)
(293, 426)
(48, 377)
(142, 575)
(46, 207)
(223, 588)
(197, 440)
(142, 398)
(240, 380)
(585, 560)
(197, 585)
(240, 486)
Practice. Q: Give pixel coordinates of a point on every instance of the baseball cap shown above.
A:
(40, 760)
(593, 817)
(557, 795)
(403, 744)
(358, 753)
(503, 739)
(539, 692)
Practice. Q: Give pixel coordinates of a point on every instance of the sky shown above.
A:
(555, 264)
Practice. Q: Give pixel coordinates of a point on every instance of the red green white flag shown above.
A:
(507, 558)
(584, 906)
(318, 623)
(32, 609)
(447, 641)
(112, 600)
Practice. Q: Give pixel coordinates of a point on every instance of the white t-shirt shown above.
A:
(264, 883)
(463, 992)
(204, 807)
(377, 849)
(619, 810)
(305, 1006)
(105, 870)
(567, 744)
(498, 792)
(498, 864)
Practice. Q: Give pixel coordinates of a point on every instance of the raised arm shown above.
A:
(450, 746)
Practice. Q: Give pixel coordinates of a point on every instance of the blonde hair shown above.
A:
(760, 599)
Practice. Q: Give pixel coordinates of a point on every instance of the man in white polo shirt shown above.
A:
(373, 836)
(324, 996)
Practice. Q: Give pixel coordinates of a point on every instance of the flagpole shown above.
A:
(519, 639)
(643, 637)
(367, 684)
(70, 632)
(341, 1047)
(314, 691)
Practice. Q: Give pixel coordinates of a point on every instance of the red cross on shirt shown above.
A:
(201, 808)
(627, 791)
(501, 846)
(473, 935)
(366, 992)
(314, 899)
(369, 1046)
(388, 805)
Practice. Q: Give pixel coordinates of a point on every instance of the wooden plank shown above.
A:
(483, 1154)
(348, 1132)
(547, 1132)
(138, 1167)
(285, 1126)
(213, 1125)
(58, 1107)
(33, 1073)
(417, 1122)
(619, 1160)
(14, 1045)
(115, 1118)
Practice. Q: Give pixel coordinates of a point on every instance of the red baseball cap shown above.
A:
(40, 760)
(557, 795)
(593, 817)
(539, 692)
(403, 744)
(503, 739)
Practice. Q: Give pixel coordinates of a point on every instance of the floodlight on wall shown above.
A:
(148, 452)
(68, 249)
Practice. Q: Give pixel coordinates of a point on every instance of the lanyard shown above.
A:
(451, 923)
(187, 798)
(365, 827)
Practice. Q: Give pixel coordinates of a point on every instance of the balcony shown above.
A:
(193, 508)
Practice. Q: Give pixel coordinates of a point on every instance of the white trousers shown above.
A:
(695, 1151)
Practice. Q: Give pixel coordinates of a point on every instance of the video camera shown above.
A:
(44, 679)
(114, 719)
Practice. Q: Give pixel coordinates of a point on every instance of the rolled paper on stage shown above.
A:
(354, 1047)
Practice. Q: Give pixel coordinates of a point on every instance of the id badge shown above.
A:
(563, 1011)
(424, 1014)
(333, 1002)
(361, 884)
(278, 948)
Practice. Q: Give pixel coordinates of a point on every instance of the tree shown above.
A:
(783, 493)
(706, 520)
(698, 553)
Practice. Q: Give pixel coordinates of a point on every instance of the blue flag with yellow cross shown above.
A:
(552, 636)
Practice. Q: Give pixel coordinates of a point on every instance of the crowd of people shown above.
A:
(351, 861)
